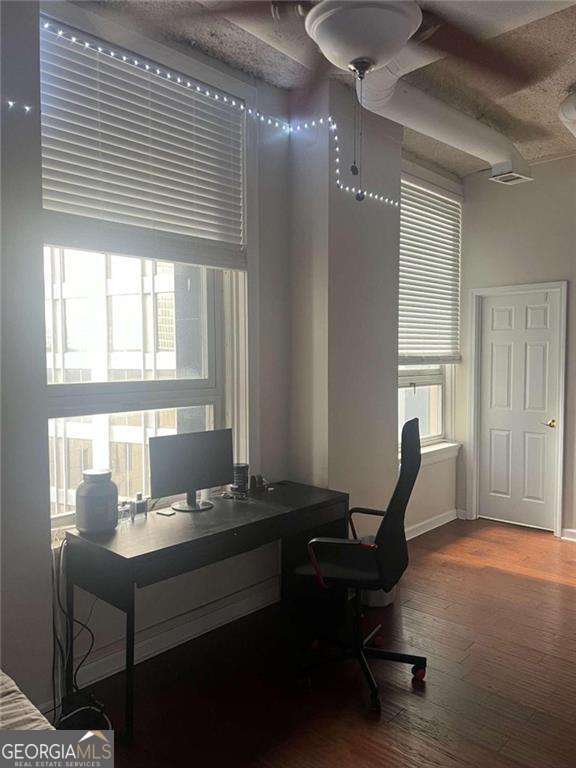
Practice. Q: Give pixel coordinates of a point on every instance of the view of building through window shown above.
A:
(120, 318)
(118, 441)
(115, 318)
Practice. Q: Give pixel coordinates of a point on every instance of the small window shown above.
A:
(421, 394)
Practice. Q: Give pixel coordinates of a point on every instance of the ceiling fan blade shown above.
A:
(443, 35)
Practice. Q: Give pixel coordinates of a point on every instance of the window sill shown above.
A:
(444, 451)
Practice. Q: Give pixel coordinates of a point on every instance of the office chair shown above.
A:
(356, 565)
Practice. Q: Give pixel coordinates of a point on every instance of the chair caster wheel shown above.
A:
(375, 703)
(419, 674)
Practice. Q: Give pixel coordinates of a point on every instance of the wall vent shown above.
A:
(510, 178)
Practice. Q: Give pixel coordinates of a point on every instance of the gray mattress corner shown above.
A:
(17, 713)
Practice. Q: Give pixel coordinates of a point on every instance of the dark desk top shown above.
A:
(156, 533)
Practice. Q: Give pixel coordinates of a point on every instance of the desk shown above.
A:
(110, 566)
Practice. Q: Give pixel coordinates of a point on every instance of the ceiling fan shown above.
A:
(362, 35)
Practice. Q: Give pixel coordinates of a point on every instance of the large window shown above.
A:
(429, 307)
(123, 330)
(144, 262)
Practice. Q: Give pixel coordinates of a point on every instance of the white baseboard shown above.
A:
(155, 640)
(463, 514)
(569, 534)
(428, 525)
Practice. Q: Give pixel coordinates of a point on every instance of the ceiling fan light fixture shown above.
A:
(365, 29)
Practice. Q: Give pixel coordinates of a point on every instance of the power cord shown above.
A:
(155, 503)
(83, 625)
(60, 649)
(87, 708)
(57, 649)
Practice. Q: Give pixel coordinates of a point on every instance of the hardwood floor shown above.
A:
(492, 606)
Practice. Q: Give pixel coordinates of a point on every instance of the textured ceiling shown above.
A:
(529, 117)
(279, 53)
(175, 21)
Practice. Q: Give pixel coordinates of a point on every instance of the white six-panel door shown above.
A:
(519, 407)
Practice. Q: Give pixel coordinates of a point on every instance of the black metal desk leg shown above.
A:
(129, 711)
(69, 635)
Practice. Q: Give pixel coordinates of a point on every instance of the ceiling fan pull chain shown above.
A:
(360, 195)
(354, 167)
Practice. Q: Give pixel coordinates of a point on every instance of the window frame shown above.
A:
(67, 230)
(94, 398)
(63, 399)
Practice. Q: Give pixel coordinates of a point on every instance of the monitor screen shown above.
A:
(190, 461)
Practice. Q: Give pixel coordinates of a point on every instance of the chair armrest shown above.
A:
(313, 544)
(362, 511)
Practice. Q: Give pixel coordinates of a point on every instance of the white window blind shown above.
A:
(130, 142)
(429, 290)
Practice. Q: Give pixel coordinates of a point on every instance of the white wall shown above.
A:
(344, 298)
(309, 263)
(25, 523)
(344, 397)
(363, 315)
(433, 500)
(524, 234)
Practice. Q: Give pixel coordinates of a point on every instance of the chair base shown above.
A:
(361, 651)
(368, 652)
(380, 653)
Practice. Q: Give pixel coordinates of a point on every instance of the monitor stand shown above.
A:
(192, 504)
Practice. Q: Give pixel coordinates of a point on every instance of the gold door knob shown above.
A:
(550, 423)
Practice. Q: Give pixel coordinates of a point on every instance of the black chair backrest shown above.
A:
(391, 538)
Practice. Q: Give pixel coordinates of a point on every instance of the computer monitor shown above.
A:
(188, 463)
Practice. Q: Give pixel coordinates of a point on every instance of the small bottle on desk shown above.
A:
(138, 506)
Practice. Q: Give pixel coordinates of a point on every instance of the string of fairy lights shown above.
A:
(277, 123)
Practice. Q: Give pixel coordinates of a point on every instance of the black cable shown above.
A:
(82, 624)
(155, 502)
(85, 657)
(56, 643)
(54, 635)
(75, 620)
(53, 639)
(59, 598)
(88, 708)
(87, 619)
